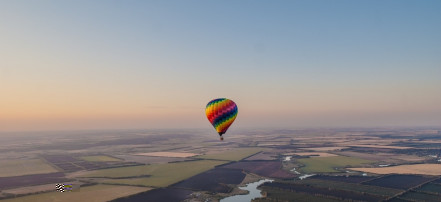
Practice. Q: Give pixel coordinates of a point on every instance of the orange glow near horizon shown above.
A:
(156, 65)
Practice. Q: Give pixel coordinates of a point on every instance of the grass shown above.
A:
(24, 167)
(161, 175)
(281, 195)
(100, 158)
(90, 193)
(328, 164)
(232, 155)
(417, 196)
(431, 188)
(380, 191)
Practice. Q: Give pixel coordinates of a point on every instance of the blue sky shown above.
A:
(135, 64)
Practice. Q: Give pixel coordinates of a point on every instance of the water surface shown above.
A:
(251, 188)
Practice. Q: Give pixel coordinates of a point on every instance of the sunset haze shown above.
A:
(156, 64)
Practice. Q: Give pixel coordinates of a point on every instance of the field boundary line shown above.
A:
(412, 189)
(51, 164)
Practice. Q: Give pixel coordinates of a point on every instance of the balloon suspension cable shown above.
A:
(220, 134)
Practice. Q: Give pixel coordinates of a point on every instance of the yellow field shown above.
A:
(232, 155)
(161, 174)
(96, 193)
(422, 169)
(24, 167)
(168, 154)
(409, 157)
(99, 158)
(321, 149)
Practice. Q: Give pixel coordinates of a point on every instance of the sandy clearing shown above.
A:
(421, 169)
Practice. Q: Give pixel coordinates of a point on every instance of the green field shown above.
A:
(418, 196)
(232, 155)
(100, 158)
(374, 190)
(431, 188)
(24, 167)
(328, 164)
(161, 175)
(280, 195)
(90, 193)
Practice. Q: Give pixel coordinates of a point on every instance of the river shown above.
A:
(253, 192)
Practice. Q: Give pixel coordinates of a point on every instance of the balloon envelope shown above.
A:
(221, 113)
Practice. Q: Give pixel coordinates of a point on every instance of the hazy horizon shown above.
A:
(156, 64)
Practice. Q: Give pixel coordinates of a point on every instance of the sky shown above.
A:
(73, 65)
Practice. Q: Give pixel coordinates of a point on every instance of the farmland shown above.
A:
(69, 163)
(380, 146)
(275, 194)
(168, 154)
(19, 167)
(431, 188)
(22, 190)
(215, 180)
(325, 149)
(418, 169)
(149, 159)
(158, 195)
(331, 193)
(383, 157)
(159, 175)
(329, 164)
(232, 155)
(349, 179)
(90, 193)
(100, 158)
(352, 187)
(268, 156)
(399, 181)
(166, 164)
(312, 154)
(417, 196)
(29, 180)
(266, 168)
(328, 188)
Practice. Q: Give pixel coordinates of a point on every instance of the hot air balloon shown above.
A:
(221, 113)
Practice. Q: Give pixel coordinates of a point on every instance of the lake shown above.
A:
(253, 192)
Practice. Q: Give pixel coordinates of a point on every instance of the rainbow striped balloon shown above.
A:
(221, 113)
